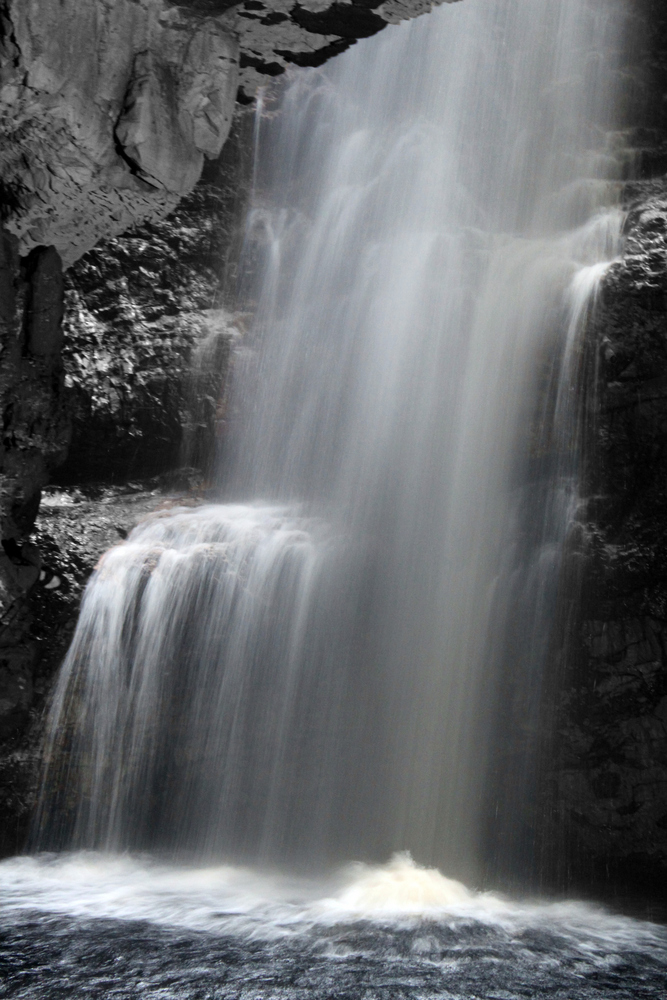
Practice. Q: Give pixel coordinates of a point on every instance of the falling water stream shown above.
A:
(321, 667)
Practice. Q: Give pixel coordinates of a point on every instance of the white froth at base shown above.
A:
(229, 899)
(399, 887)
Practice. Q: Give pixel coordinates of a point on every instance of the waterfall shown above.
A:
(322, 666)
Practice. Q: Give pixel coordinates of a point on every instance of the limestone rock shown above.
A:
(106, 114)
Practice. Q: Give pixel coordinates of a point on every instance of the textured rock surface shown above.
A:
(612, 769)
(107, 111)
(34, 423)
(146, 343)
(35, 432)
(610, 773)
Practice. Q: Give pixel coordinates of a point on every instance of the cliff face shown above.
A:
(146, 336)
(609, 773)
(106, 112)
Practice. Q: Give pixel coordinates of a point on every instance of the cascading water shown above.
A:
(321, 667)
(312, 671)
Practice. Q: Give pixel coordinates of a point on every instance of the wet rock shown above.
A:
(147, 340)
(15, 688)
(35, 425)
(45, 306)
(611, 772)
(605, 774)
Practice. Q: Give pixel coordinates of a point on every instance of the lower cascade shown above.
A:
(344, 659)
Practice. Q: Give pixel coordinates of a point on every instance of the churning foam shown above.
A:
(228, 897)
(400, 887)
(266, 906)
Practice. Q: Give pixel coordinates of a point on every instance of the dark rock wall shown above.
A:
(35, 434)
(147, 336)
(608, 778)
(34, 421)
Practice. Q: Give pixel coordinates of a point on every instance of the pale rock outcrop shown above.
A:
(107, 111)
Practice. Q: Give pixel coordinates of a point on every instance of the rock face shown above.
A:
(35, 432)
(146, 337)
(107, 110)
(106, 114)
(609, 774)
(611, 777)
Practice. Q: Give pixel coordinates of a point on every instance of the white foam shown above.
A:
(399, 887)
(247, 903)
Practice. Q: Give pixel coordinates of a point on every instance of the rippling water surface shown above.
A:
(98, 926)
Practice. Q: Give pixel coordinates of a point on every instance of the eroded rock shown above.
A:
(107, 112)
(610, 769)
